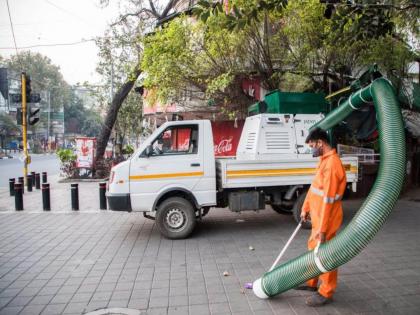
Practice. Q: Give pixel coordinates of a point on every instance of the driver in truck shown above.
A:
(323, 206)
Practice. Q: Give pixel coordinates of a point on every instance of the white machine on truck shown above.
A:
(174, 177)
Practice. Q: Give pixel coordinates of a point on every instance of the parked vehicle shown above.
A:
(175, 179)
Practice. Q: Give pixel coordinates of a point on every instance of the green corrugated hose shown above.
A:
(374, 211)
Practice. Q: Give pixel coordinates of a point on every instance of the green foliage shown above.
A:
(192, 55)
(66, 155)
(295, 83)
(297, 38)
(68, 163)
(79, 119)
(240, 13)
(128, 149)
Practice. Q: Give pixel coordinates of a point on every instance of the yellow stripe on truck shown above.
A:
(280, 172)
(168, 175)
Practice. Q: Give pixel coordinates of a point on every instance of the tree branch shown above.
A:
(152, 7)
(170, 5)
(139, 12)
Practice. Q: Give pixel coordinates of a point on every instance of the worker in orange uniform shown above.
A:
(323, 206)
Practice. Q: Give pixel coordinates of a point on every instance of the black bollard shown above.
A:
(12, 186)
(44, 177)
(102, 197)
(33, 178)
(46, 197)
(18, 196)
(37, 181)
(21, 180)
(29, 182)
(75, 196)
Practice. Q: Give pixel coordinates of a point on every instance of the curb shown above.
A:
(6, 157)
(83, 180)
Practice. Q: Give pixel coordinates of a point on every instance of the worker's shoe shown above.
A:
(317, 300)
(304, 287)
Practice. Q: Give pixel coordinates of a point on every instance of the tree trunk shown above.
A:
(112, 113)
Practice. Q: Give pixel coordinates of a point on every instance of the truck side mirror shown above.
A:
(149, 150)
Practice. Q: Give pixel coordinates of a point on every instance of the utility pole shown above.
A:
(24, 128)
(48, 123)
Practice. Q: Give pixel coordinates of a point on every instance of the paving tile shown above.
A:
(220, 308)
(11, 310)
(120, 303)
(140, 304)
(41, 299)
(5, 301)
(199, 309)
(75, 308)
(49, 290)
(32, 309)
(178, 310)
(61, 299)
(160, 301)
(178, 300)
(20, 301)
(53, 309)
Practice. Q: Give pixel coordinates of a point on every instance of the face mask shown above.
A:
(316, 152)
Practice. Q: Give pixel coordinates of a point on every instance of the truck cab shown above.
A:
(176, 162)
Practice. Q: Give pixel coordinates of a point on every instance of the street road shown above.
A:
(10, 168)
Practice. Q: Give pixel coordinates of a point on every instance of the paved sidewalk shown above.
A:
(67, 262)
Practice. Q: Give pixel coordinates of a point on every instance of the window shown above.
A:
(173, 140)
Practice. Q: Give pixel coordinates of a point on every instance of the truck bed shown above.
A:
(232, 173)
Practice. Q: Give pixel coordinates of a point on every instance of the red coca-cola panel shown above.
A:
(226, 135)
(180, 139)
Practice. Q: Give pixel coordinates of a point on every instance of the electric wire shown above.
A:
(52, 45)
(13, 33)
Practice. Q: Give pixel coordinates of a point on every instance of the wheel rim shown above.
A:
(175, 219)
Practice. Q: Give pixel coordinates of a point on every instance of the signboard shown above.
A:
(85, 152)
(226, 135)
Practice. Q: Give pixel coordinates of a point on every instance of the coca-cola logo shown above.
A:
(224, 146)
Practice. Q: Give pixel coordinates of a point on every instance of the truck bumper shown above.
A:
(119, 202)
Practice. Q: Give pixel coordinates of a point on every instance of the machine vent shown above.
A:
(252, 136)
(273, 121)
(277, 140)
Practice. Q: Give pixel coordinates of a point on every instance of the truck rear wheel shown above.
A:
(297, 208)
(175, 218)
(281, 209)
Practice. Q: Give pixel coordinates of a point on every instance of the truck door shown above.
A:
(176, 161)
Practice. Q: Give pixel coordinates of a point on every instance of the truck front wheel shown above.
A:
(175, 218)
(297, 208)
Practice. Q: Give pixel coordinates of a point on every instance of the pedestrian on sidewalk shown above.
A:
(323, 206)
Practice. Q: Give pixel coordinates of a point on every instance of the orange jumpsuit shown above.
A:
(323, 202)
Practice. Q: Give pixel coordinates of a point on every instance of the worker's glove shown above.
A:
(304, 216)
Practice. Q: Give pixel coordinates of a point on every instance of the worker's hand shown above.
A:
(321, 237)
(304, 216)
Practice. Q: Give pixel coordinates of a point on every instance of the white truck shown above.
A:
(174, 177)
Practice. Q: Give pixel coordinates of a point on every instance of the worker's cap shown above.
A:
(317, 134)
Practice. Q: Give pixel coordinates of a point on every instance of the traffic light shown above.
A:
(4, 83)
(16, 98)
(33, 115)
(19, 116)
(28, 88)
(34, 98)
